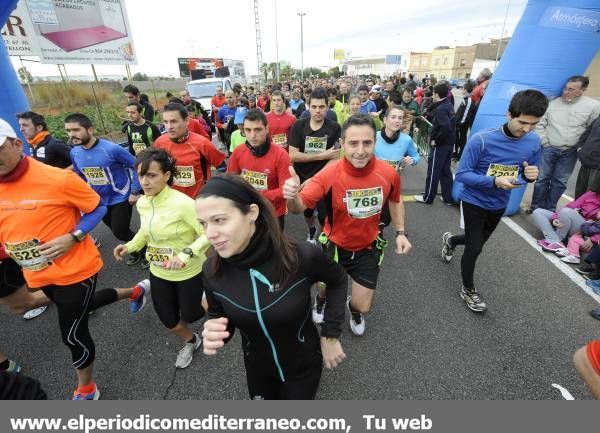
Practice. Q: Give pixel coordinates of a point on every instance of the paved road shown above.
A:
(421, 341)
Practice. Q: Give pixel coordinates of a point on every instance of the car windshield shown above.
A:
(203, 90)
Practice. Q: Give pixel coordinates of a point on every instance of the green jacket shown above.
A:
(168, 224)
(340, 112)
(236, 139)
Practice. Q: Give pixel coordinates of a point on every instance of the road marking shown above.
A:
(408, 198)
(564, 392)
(562, 266)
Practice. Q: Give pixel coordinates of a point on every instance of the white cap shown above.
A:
(6, 131)
(376, 89)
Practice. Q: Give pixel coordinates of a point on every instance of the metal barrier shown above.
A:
(423, 136)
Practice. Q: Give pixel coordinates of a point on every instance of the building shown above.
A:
(383, 66)
(442, 62)
(420, 64)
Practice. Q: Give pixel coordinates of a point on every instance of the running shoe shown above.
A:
(473, 300)
(318, 311)
(32, 314)
(574, 260)
(595, 313)
(144, 264)
(185, 356)
(13, 366)
(563, 252)
(447, 203)
(357, 321)
(312, 232)
(94, 395)
(587, 269)
(551, 247)
(595, 285)
(134, 259)
(420, 199)
(447, 248)
(136, 305)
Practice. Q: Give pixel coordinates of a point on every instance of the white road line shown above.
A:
(564, 392)
(563, 267)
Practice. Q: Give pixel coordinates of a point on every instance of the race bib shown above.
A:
(364, 203)
(95, 175)
(184, 176)
(315, 144)
(138, 147)
(499, 170)
(256, 179)
(158, 256)
(280, 139)
(26, 255)
(392, 163)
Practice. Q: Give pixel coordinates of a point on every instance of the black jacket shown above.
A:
(52, 151)
(443, 124)
(589, 155)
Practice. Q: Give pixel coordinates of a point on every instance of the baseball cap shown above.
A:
(6, 131)
(376, 88)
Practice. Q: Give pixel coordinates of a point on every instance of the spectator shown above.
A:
(465, 115)
(589, 157)
(566, 120)
(482, 82)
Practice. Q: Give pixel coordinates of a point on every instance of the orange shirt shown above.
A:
(44, 203)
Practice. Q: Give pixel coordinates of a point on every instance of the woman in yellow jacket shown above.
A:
(175, 247)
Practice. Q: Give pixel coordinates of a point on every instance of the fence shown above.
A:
(423, 136)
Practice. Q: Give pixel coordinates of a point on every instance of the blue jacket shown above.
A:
(394, 152)
(443, 124)
(488, 147)
(225, 113)
(108, 169)
(368, 107)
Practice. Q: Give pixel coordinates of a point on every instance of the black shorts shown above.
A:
(362, 266)
(177, 300)
(11, 278)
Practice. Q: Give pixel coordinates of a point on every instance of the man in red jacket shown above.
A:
(193, 153)
(279, 120)
(261, 163)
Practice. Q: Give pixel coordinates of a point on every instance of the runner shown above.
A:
(312, 146)
(44, 147)
(261, 163)
(396, 148)
(494, 162)
(259, 270)
(226, 112)
(175, 249)
(133, 95)
(355, 189)
(107, 168)
(43, 230)
(193, 153)
(279, 120)
(141, 133)
(587, 362)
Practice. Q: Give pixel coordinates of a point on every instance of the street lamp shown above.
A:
(301, 15)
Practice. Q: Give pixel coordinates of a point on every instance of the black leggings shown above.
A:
(73, 303)
(118, 218)
(479, 225)
(263, 386)
(177, 300)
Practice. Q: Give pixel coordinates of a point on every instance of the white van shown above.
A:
(203, 90)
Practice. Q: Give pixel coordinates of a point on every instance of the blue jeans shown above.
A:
(556, 168)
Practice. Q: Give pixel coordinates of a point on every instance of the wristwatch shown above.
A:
(78, 235)
(401, 233)
(188, 251)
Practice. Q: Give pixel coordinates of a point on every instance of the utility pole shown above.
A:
(501, 35)
(301, 15)
(276, 44)
(258, 44)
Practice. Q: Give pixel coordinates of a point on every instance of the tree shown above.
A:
(287, 71)
(334, 72)
(138, 76)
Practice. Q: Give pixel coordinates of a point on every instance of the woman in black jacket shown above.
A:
(259, 281)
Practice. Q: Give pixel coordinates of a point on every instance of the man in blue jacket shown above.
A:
(442, 143)
(109, 170)
(493, 163)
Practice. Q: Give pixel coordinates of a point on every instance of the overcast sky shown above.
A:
(165, 30)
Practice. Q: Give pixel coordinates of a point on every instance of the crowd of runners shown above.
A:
(212, 216)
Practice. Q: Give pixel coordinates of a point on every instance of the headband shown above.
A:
(222, 186)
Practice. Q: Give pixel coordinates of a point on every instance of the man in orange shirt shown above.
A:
(217, 102)
(43, 231)
(193, 153)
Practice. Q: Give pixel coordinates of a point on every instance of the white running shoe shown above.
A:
(32, 314)
(574, 260)
(562, 252)
(185, 356)
(420, 198)
(318, 310)
(357, 321)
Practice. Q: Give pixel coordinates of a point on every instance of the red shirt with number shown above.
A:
(266, 173)
(189, 154)
(357, 199)
(279, 127)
